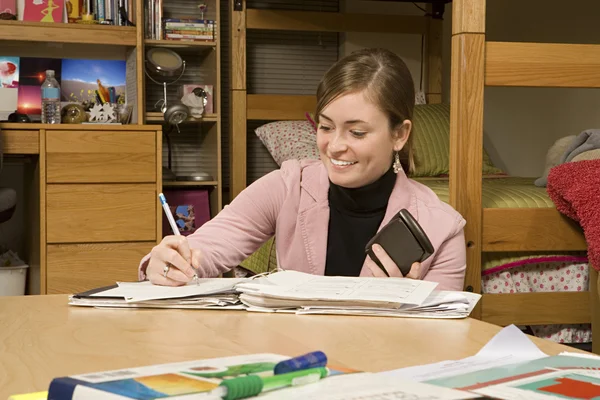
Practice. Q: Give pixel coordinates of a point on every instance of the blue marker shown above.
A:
(314, 359)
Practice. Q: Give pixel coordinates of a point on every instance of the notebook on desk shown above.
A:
(208, 293)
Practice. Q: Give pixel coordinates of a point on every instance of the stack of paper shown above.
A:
(207, 293)
(291, 291)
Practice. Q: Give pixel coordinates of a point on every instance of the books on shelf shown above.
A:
(189, 29)
(159, 27)
(105, 12)
(292, 292)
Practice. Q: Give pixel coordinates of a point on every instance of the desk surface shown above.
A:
(42, 337)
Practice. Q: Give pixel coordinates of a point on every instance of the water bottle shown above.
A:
(50, 99)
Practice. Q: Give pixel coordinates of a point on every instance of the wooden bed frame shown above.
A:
(245, 107)
(475, 63)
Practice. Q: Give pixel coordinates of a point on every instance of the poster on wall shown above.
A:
(33, 74)
(9, 85)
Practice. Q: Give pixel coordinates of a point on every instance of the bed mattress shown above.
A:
(499, 192)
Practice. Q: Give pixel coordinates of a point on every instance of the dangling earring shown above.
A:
(396, 165)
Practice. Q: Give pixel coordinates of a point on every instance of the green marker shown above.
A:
(253, 385)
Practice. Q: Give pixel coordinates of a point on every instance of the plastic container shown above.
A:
(12, 280)
(51, 105)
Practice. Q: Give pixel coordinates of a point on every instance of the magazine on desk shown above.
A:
(202, 379)
(291, 292)
(512, 367)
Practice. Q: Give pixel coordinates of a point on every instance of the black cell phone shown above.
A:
(403, 240)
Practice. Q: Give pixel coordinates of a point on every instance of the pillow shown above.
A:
(287, 140)
(431, 143)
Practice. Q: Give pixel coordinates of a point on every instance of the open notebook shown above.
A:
(294, 292)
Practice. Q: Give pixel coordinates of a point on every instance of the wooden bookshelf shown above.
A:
(67, 33)
(177, 44)
(199, 139)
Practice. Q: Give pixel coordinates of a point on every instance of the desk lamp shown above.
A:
(165, 67)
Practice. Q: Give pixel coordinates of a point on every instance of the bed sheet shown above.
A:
(527, 272)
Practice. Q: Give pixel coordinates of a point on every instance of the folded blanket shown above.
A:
(585, 141)
(575, 189)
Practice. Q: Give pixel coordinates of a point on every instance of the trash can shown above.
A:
(13, 280)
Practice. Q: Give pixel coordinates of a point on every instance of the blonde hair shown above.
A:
(387, 83)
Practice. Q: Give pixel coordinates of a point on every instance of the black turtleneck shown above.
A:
(354, 217)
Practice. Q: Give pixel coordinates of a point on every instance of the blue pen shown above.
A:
(313, 359)
(174, 227)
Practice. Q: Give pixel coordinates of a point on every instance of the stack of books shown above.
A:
(189, 29)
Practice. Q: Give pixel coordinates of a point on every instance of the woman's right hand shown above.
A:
(174, 252)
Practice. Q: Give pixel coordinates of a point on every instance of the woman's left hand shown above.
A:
(390, 266)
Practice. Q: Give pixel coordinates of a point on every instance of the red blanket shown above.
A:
(575, 189)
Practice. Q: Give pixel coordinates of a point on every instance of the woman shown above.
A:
(323, 212)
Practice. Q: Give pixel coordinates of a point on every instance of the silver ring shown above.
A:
(166, 270)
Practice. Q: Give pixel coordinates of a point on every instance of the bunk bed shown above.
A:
(246, 107)
(477, 63)
(496, 228)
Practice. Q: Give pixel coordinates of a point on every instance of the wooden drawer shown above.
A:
(73, 268)
(100, 156)
(80, 213)
(20, 141)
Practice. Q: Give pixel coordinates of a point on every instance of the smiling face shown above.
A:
(356, 142)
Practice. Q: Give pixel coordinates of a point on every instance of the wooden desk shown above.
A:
(91, 199)
(42, 338)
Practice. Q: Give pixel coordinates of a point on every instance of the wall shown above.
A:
(520, 124)
(406, 46)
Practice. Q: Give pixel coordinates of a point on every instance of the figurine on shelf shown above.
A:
(73, 113)
(196, 101)
(203, 7)
(103, 113)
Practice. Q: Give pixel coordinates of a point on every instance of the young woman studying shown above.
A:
(323, 212)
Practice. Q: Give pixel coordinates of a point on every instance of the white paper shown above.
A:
(363, 386)
(143, 291)
(508, 346)
(302, 286)
(440, 304)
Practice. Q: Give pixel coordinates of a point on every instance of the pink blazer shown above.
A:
(291, 203)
